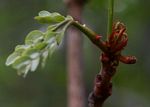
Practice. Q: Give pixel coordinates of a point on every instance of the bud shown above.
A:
(128, 59)
(98, 37)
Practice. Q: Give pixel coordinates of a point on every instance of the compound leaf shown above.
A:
(38, 45)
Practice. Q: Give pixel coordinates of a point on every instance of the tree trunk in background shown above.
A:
(76, 94)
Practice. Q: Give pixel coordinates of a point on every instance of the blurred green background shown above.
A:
(47, 87)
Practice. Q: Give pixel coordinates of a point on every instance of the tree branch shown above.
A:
(110, 17)
(111, 55)
(103, 85)
(95, 38)
(110, 60)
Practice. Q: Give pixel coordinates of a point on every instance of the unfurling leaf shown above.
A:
(52, 48)
(21, 48)
(46, 17)
(24, 70)
(50, 36)
(21, 62)
(60, 36)
(44, 57)
(34, 37)
(12, 58)
(31, 53)
(44, 13)
(39, 45)
(34, 64)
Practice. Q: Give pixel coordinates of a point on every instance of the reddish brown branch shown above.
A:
(103, 85)
(110, 60)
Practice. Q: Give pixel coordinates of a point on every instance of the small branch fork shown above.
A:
(110, 59)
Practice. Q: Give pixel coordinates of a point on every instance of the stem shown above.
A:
(91, 35)
(103, 85)
(88, 32)
(59, 25)
(110, 17)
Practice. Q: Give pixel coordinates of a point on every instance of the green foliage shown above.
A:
(39, 45)
(46, 17)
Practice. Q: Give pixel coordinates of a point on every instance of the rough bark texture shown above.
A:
(102, 84)
(75, 58)
(110, 60)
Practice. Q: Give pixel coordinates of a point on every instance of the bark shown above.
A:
(76, 97)
(102, 84)
(110, 60)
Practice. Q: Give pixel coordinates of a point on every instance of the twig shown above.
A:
(95, 38)
(103, 85)
(110, 17)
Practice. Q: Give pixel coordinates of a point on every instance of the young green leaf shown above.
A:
(23, 70)
(49, 18)
(40, 46)
(21, 48)
(34, 64)
(52, 48)
(12, 58)
(21, 62)
(44, 13)
(50, 36)
(44, 57)
(60, 36)
(34, 37)
(32, 53)
(57, 17)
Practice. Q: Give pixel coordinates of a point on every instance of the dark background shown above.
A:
(47, 87)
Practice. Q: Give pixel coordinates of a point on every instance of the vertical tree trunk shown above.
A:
(76, 97)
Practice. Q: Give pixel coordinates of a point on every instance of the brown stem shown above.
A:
(102, 84)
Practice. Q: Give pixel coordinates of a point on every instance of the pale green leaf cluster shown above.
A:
(39, 45)
(46, 17)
